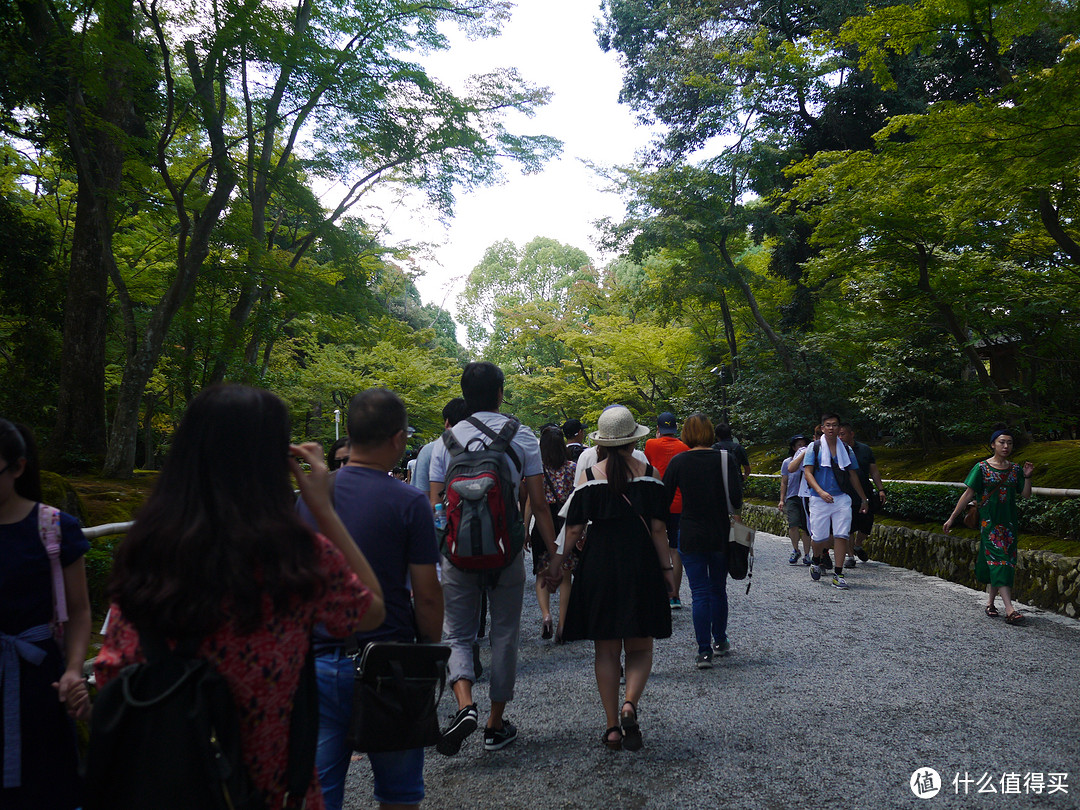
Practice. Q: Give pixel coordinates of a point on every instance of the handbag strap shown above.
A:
(727, 484)
(648, 531)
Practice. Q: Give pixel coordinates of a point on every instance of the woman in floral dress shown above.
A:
(997, 484)
(218, 553)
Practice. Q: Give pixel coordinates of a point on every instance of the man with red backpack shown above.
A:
(487, 465)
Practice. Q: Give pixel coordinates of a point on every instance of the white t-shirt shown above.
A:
(525, 444)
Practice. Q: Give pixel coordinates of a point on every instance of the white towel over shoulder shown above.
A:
(843, 460)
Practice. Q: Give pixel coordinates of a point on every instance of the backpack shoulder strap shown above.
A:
(501, 441)
(49, 531)
(453, 446)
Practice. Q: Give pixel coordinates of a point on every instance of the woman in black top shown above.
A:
(624, 578)
(703, 530)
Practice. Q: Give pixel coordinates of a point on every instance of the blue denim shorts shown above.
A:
(399, 775)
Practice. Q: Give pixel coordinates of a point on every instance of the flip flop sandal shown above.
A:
(631, 732)
(992, 611)
(610, 744)
(1016, 617)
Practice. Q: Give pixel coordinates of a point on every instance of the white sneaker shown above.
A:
(838, 581)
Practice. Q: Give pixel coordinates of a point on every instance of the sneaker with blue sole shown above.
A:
(815, 572)
(794, 558)
(838, 581)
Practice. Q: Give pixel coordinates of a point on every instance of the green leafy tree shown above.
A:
(508, 277)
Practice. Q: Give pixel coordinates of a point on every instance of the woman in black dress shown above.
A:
(624, 578)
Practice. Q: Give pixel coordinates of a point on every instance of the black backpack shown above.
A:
(165, 734)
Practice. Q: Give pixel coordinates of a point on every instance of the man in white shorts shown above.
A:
(830, 467)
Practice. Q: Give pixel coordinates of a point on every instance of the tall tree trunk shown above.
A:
(773, 338)
(94, 122)
(193, 248)
(78, 437)
(729, 334)
(958, 332)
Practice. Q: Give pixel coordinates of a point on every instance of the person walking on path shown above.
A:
(862, 523)
(827, 466)
(703, 532)
(726, 441)
(452, 413)
(659, 452)
(40, 675)
(792, 506)
(996, 484)
(574, 433)
(482, 388)
(558, 484)
(218, 552)
(391, 522)
(624, 578)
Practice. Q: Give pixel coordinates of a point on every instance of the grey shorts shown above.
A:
(795, 513)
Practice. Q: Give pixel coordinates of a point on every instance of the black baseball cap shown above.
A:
(665, 424)
(572, 427)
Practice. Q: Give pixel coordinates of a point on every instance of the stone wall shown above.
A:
(1043, 579)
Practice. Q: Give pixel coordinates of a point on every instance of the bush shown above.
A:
(920, 502)
(99, 563)
(1051, 516)
(765, 489)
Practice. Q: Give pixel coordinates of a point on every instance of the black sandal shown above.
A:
(631, 732)
(610, 744)
(1016, 617)
(992, 611)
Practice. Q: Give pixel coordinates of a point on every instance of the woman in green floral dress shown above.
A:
(997, 484)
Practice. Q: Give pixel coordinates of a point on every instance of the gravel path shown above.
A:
(829, 699)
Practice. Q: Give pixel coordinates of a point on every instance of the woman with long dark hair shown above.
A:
(219, 556)
(703, 530)
(996, 484)
(558, 484)
(624, 577)
(40, 675)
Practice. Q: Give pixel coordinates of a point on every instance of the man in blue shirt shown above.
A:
(392, 524)
(830, 467)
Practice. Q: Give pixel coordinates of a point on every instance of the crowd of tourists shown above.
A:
(227, 575)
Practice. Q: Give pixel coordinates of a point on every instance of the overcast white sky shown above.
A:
(550, 42)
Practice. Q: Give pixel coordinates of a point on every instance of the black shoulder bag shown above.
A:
(396, 696)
